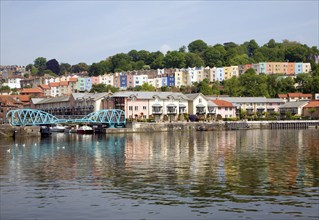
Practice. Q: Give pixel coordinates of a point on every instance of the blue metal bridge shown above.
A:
(33, 117)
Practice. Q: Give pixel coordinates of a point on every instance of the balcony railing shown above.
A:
(157, 112)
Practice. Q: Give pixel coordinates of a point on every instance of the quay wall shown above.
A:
(210, 126)
(9, 131)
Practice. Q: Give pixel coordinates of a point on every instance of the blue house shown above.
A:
(123, 81)
(171, 80)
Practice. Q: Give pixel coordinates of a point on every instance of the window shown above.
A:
(130, 108)
(136, 108)
(144, 107)
(226, 109)
(200, 100)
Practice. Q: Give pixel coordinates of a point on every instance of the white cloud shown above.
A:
(165, 48)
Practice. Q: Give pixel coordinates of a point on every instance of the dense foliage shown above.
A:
(199, 53)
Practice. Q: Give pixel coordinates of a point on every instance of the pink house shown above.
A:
(225, 109)
(95, 80)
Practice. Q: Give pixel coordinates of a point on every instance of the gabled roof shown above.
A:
(312, 104)
(193, 96)
(44, 86)
(32, 90)
(36, 100)
(296, 94)
(294, 104)
(53, 100)
(54, 84)
(151, 95)
(64, 83)
(94, 96)
(282, 95)
(222, 103)
(73, 79)
(22, 98)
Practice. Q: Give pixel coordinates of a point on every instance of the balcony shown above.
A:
(200, 109)
(157, 109)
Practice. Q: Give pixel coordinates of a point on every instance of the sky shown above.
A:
(91, 31)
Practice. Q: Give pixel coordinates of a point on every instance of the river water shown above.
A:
(247, 174)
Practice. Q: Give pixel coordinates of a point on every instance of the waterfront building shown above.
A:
(295, 108)
(253, 105)
(54, 105)
(197, 104)
(224, 109)
(311, 110)
(77, 104)
(144, 105)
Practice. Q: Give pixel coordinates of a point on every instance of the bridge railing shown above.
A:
(27, 117)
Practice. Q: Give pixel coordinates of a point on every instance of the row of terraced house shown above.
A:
(65, 85)
(173, 106)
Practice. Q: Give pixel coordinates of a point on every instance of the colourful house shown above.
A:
(225, 109)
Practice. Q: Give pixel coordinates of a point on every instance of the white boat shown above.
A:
(58, 128)
(85, 130)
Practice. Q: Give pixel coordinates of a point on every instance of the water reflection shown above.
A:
(203, 170)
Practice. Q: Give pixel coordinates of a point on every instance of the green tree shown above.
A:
(252, 46)
(311, 111)
(232, 87)
(40, 64)
(148, 87)
(305, 83)
(252, 84)
(205, 88)
(54, 66)
(29, 67)
(286, 85)
(49, 72)
(4, 88)
(197, 46)
(121, 62)
(103, 88)
(65, 68)
(213, 57)
(80, 67)
(193, 60)
(175, 59)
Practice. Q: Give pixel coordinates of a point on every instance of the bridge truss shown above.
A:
(33, 117)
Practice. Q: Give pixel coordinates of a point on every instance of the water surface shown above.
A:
(249, 174)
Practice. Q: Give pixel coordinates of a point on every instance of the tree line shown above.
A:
(197, 53)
